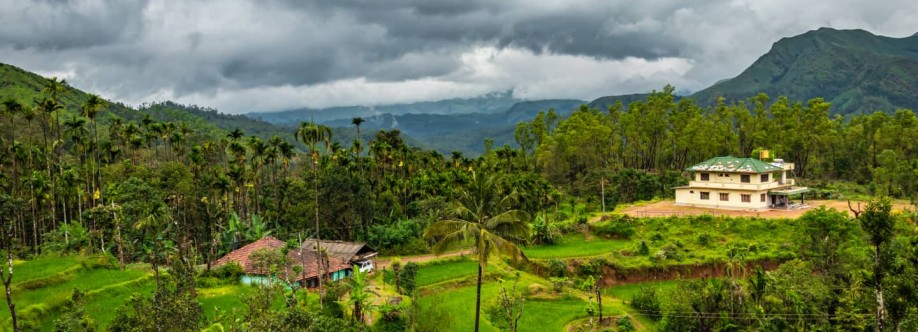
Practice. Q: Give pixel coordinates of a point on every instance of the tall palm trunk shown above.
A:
(478, 299)
(315, 187)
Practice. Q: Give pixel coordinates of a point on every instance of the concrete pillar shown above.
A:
(784, 177)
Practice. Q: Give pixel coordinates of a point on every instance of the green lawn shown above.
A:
(576, 245)
(439, 271)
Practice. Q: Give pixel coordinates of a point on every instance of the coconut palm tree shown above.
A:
(485, 217)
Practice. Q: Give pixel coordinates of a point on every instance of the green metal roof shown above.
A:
(734, 164)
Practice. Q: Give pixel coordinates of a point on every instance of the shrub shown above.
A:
(624, 324)
(647, 300)
(592, 267)
(642, 248)
(406, 277)
(230, 271)
(617, 228)
(558, 283)
(704, 239)
(557, 268)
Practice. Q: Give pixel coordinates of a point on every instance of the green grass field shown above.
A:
(576, 245)
(548, 314)
(440, 271)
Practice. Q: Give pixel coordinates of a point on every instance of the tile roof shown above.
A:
(241, 255)
(305, 258)
(734, 164)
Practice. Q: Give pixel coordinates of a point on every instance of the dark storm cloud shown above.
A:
(56, 25)
(324, 52)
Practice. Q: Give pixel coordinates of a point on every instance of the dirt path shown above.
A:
(384, 263)
(668, 208)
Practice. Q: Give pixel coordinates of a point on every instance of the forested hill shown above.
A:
(489, 103)
(26, 88)
(858, 72)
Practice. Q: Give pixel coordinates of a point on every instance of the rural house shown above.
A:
(740, 183)
(309, 277)
(358, 254)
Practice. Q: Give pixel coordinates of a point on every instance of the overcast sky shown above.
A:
(264, 55)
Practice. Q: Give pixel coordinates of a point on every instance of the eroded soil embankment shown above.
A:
(614, 277)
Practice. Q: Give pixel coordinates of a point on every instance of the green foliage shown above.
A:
(834, 60)
(68, 238)
(647, 300)
(505, 311)
(559, 283)
(557, 267)
(401, 237)
(618, 227)
(624, 324)
(74, 317)
(407, 277)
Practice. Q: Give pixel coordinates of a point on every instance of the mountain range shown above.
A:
(858, 72)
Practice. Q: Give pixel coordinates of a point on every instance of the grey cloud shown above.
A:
(132, 50)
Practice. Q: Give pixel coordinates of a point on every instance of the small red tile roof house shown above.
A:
(337, 268)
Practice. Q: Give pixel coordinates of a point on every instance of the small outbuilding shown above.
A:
(358, 254)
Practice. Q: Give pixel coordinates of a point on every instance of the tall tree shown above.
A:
(877, 221)
(485, 216)
(312, 134)
(7, 208)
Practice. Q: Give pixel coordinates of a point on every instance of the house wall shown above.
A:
(255, 280)
(692, 197)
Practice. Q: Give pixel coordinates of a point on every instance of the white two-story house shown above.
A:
(739, 183)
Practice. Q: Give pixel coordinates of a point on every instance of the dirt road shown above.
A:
(668, 208)
(384, 263)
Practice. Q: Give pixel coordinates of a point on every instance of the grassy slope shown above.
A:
(575, 246)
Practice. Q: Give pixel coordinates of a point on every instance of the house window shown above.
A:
(744, 178)
(705, 195)
(764, 178)
(724, 197)
(746, 198)
(705, 176)
(762, 197)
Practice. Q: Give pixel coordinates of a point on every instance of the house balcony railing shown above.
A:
(742, 186)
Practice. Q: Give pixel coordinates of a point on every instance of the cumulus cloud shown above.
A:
(248, 55)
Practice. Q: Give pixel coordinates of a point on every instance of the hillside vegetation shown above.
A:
(858, 72)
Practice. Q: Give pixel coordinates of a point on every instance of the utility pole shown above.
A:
(602, 191)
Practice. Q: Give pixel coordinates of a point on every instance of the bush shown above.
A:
(642, 248)
(558, 283)
(400, 237)
(624, 324)
(647, 300)
(231, 271)
(620, 227)
(592, 267)
(704, 239)
(557, 268)
(406, 277)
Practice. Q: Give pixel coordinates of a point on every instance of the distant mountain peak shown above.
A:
(856, 70)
